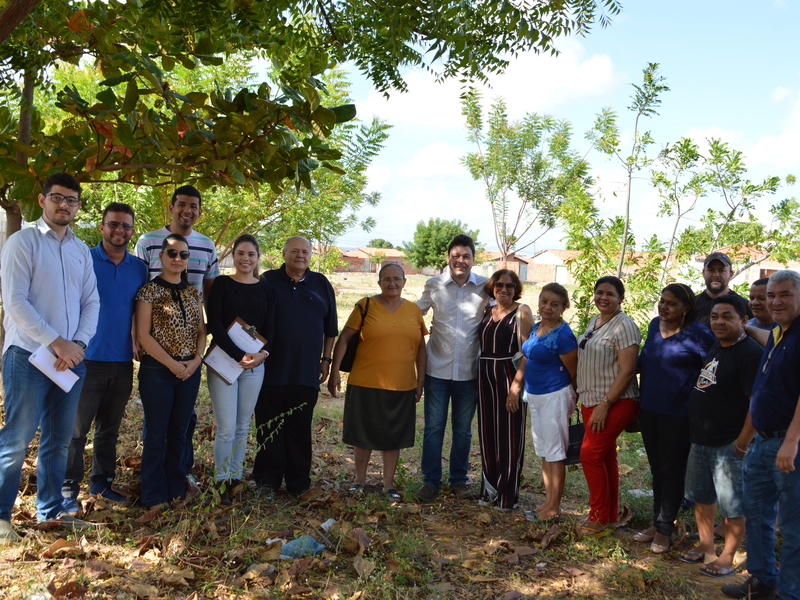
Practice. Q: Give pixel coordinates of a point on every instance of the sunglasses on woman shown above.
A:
(499, 285)
(172, 253)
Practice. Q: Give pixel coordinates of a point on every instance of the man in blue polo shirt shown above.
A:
(771, 466)
(109, 359)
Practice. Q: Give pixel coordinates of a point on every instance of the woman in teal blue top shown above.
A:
(548, 368)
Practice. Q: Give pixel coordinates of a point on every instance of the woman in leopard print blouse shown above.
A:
(170, 329)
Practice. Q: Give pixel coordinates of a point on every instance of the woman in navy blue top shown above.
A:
(549, 366)
(669, 365)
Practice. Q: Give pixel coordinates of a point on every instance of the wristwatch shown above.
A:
(80, 343)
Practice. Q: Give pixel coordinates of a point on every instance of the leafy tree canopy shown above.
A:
(429, 248)
(379, 243)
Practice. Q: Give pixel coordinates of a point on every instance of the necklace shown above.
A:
(597, 327)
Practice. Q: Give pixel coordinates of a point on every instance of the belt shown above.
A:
(781, 433)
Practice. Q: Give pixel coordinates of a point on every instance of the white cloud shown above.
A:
(531, 83)
(780, 151)
(435, 160)
(781, 93)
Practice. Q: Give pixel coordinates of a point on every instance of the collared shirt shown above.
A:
(305, 314)
(117, 285)
(203, 263)
(777, 385)
(457, 312)
(49, 288)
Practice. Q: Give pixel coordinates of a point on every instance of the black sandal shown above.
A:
(394, 495)
(356, 490)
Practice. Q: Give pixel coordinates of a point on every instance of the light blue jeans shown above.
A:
(768, 492)
(438, 393)
(33, 401)
(233, 406)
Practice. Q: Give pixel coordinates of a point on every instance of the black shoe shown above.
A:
(427, 493)
(753, 588)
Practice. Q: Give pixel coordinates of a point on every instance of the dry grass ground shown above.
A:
(449, 549)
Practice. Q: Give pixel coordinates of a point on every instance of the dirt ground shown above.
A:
(449, 549)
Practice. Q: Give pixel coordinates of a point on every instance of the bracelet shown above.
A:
(739, 449)
(327, 358)
(605, 399)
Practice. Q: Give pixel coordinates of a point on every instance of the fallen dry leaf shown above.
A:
(572, 571)
(73, 589)
(524, 550)
(142, 590)
(149, 516)
(513, 595)
(97, 569)
(551, 534)
(625, 469)
(132, 462)
(62, 546)
(633, 577)
(512, 558)
(172, 579)
(470, 563)
(363, 566)
(484, 518)
(356, 541)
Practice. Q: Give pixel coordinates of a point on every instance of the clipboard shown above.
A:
(246, 339)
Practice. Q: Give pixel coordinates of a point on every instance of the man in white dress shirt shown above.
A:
(458, 302)
(49, 298)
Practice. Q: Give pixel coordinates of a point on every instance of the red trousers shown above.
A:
(599, 459)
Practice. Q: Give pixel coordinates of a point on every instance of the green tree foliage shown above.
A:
(379, 243)
(606, 138)
(680, 184)
(429, 248)
(139, 130)
(527, 168)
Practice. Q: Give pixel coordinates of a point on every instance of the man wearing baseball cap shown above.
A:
(717, 273)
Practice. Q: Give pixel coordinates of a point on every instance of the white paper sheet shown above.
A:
(45, 360)
(219, 360)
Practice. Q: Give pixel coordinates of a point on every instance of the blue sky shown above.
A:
(733, 69)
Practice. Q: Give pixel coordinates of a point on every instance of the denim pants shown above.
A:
(32, 401)
(438, 393)
(768, 492)
(168, 403)
(233, 407)
(106, 391)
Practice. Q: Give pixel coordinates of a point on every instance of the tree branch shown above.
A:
(14, 13)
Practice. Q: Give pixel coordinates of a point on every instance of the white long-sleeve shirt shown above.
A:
(49, 288)
(457, 312)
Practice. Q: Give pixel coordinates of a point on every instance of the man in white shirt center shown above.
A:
(458, 302)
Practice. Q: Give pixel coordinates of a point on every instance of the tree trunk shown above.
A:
(14, 13)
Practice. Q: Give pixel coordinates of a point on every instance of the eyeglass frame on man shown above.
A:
(116, 225)
(72, 201)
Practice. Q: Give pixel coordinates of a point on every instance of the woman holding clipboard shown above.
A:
(243, 296)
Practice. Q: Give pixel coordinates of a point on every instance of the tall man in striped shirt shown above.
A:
(185, 208)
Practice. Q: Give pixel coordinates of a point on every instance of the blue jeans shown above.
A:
(768, 492)
(31, 401)
(233, 406)
(438, 393)
(168, 403)
(106, 390)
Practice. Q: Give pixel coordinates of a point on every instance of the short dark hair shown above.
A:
(187, 190)
(488, 287)
(64, 180)
(762, 281)
(615, 281)
(558, 290)
(118, 207)
(173, 236)
(462, 239)
(685, 295)
(739, 304)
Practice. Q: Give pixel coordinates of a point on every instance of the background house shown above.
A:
(368, 260)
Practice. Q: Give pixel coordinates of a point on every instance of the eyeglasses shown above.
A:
(396, 280)
(509, 286)
(172, 253)
(589, 335)
(112, 225)
(59, 199)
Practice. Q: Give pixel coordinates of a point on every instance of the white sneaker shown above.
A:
(7, 534)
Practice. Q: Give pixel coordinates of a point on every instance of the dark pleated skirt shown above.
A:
(379, 419)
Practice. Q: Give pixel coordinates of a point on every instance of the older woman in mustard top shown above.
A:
(386, 380)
